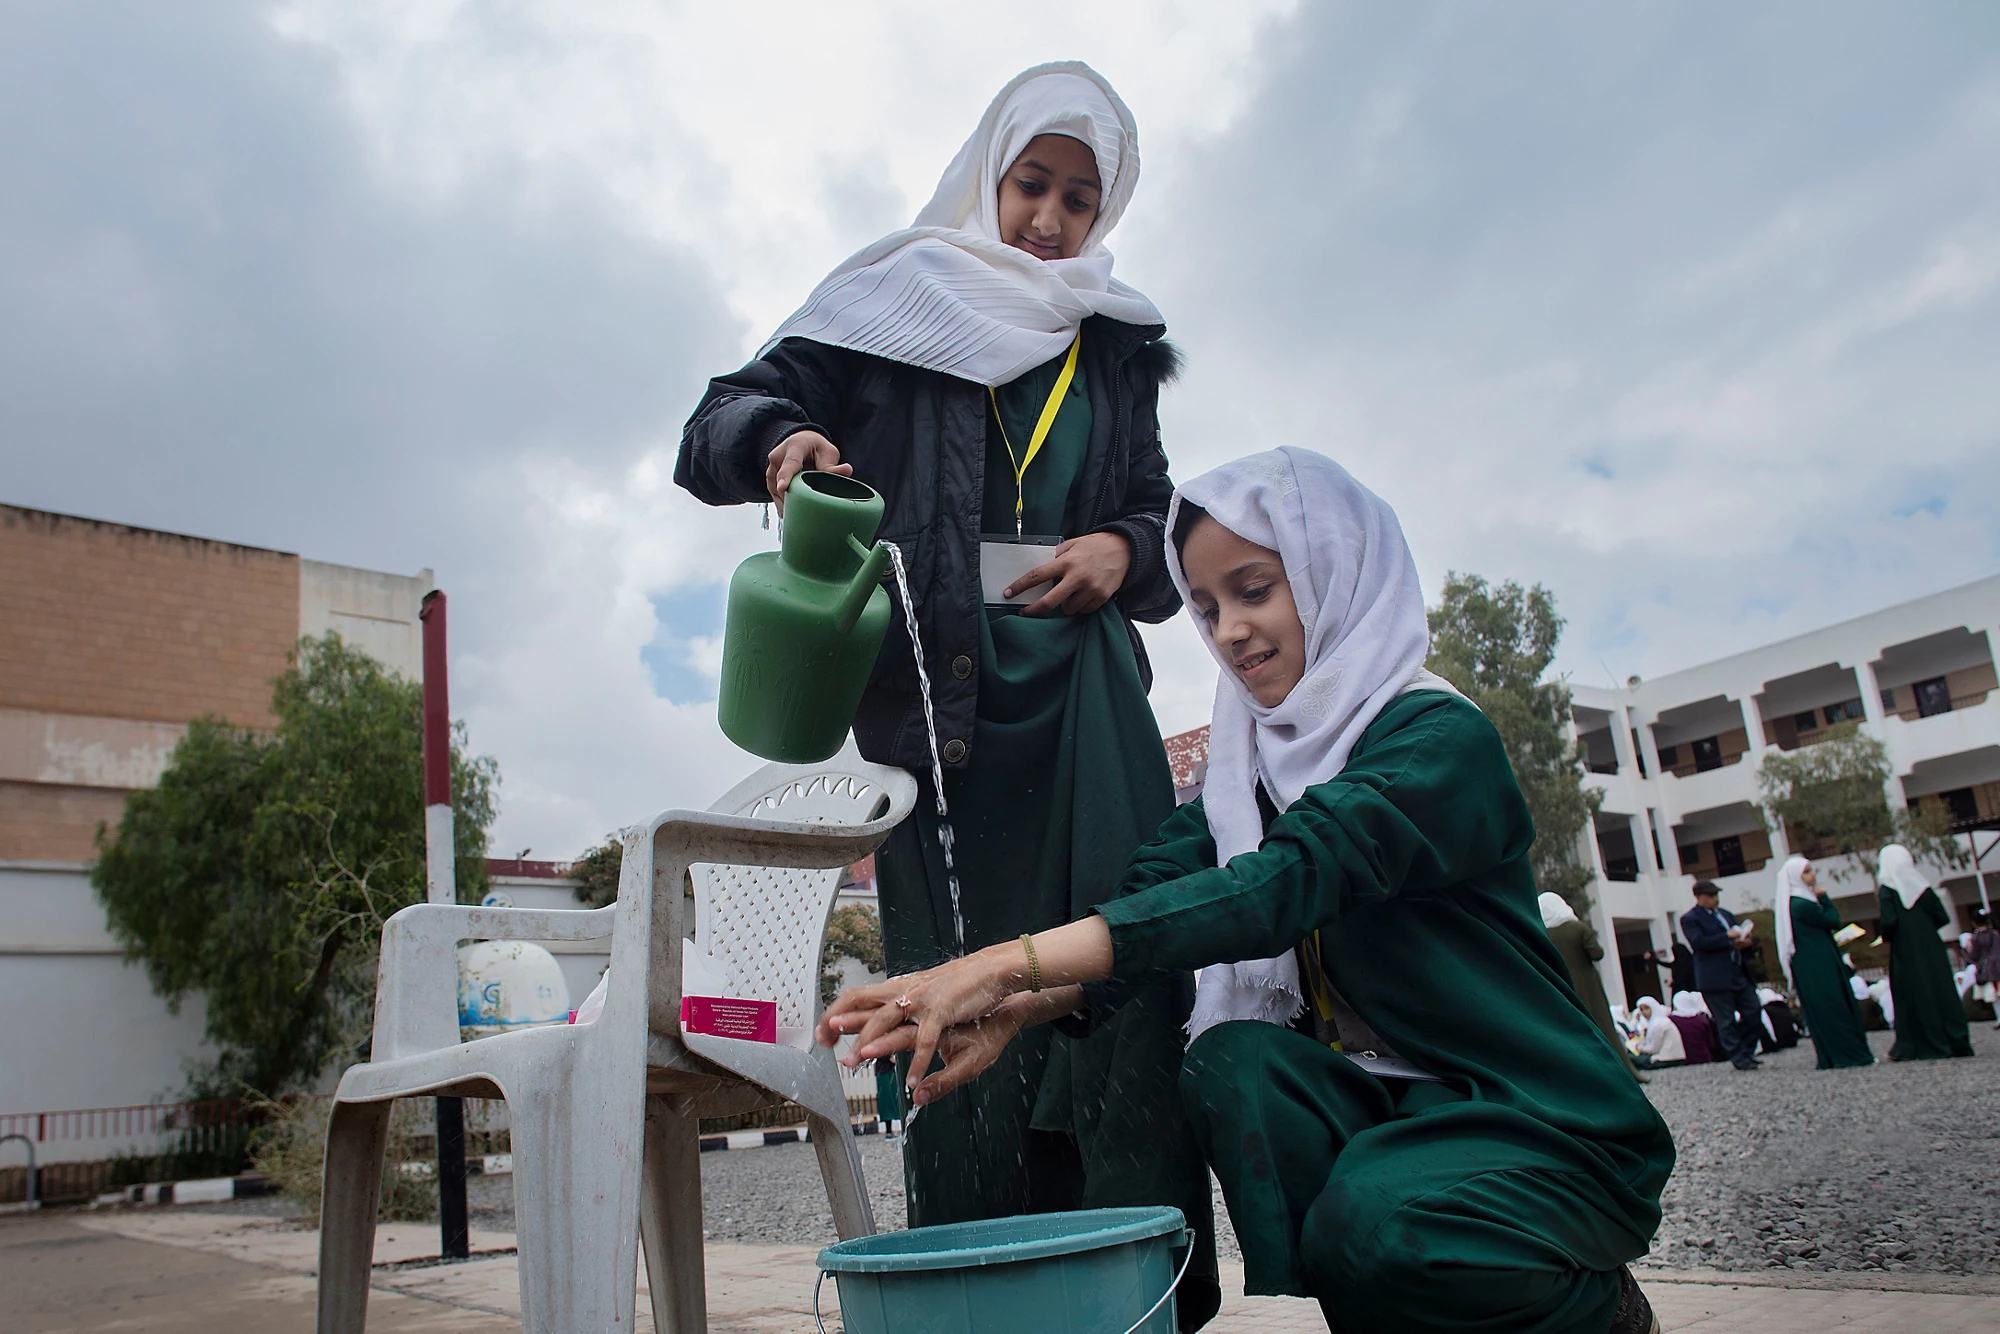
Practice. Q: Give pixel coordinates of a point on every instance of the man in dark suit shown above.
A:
(1718, 942)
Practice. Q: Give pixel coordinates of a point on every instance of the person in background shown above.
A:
(987, 374)
(1579, 953)
(1660, 1038)
(1806, 921)
(1697, 1030)
(1718, 941)
(1781, 1029)
(1929, 1019)
(888, 1095)
(1679, 964)
(1984, 953)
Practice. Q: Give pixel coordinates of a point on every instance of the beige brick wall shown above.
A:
(45, 822)
(117, 622)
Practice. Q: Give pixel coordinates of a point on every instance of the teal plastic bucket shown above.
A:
(1096, 1271)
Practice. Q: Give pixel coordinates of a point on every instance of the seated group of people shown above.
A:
(1686, 1034)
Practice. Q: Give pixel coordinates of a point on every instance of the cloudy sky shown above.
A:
(1691, 312)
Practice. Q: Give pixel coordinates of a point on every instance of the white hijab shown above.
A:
(1355, 586)
(947, 293)
(1649, 1013)
(1897, 869)
(1555, 910)
(1688, 1004)
(1791, 885)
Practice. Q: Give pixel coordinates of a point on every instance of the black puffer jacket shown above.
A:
(919, 437)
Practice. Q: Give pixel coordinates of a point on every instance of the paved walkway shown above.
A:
(176, 1271)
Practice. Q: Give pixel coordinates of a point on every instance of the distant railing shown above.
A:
(213, 1138)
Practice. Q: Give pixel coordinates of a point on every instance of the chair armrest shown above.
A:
(416, 983)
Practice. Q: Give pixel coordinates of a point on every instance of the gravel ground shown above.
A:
(1890, 1167)
(1887, 1168)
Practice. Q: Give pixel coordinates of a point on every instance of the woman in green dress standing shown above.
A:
(984, 371)
(1806, 921)
(1412, 1116)
(1930, 1019)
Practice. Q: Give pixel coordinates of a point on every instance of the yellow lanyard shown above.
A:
(1048, 419)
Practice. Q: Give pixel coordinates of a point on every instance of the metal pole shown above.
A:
(441, 874)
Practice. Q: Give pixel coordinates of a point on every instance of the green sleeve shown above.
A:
(1182, 847)
(1427, 801)
(1820, 913)
(1891, 912)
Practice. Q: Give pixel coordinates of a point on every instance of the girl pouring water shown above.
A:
(1413, 1118)
(984, 371)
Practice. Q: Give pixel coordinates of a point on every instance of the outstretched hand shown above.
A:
(926, 1004)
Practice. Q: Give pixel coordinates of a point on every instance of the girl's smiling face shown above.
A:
(1049, 197)
(1242, 598)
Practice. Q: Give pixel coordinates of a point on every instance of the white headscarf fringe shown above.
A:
(948, 293)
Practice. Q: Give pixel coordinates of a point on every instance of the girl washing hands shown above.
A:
(1412, 1116)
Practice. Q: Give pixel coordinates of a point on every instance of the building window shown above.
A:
(1809, 720)
(1933, 697)
(1707, 754)
(1729, 855)
(1889, 700)
(1669, 756)
(1638, 752)
(1849, 711)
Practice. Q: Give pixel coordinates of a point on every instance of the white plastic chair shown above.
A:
(605, 1115)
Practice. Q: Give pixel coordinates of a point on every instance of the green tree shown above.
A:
(853, 932)
(1831, 798)
(1495, 644)
(259, 871)
(599, 869)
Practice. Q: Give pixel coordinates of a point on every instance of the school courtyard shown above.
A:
(1804, 1200)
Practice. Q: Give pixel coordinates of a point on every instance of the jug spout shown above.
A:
(873, 561)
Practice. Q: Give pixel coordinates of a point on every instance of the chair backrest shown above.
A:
(758, 929)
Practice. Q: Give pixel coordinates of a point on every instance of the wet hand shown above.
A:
(929, 1003)
(1088, 572)
(801, 451)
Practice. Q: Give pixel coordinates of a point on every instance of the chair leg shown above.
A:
(670, 1215)
(839, 1156)
(576, 1207)
(350, 1195)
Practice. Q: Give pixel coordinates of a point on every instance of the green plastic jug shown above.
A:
(805, 623)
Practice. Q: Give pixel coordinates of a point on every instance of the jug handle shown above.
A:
(873, 561)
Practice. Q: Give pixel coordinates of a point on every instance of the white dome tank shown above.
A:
(509, 984)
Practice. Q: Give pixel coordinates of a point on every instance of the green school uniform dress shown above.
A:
(1068, 777)
(1820, 977)
(1930, 1019)
(1504, 1195)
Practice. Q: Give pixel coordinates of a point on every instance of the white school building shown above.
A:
(1676, 760)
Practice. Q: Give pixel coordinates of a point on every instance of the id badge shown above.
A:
(1002, 560)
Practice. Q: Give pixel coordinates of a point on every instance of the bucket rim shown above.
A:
(1096, 1229)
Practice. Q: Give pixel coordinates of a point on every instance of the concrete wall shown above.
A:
(85, 1028)
(373, 611)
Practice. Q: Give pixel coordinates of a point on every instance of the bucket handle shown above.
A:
(1187, 1236)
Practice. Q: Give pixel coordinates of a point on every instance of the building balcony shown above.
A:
(1593, 739)
(1617, 850)
(1723, 841)
(1696, 738)
(1940, 673)
(1965, 787)
(1802, 709)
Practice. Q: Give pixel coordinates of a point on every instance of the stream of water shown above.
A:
(930, 729)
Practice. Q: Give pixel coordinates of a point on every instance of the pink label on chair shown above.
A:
(729, 1017)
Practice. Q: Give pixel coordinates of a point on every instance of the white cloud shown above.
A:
(1688, 314)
